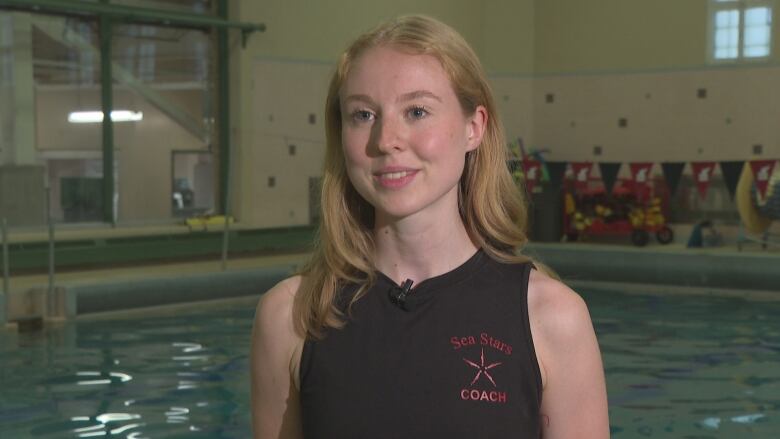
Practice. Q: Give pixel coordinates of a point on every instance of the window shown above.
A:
(740, 29)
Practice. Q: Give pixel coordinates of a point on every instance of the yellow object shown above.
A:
(753, 221)
(568, 202)
(205, 221)
(581, 222)
(636, 217)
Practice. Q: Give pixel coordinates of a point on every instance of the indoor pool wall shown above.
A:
(710, 271)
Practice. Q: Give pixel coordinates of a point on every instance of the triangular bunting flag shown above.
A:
(532, 172)
(702, 175)
(731, 172)
(672, 173)
(609, 172)
(762, 171)
(640, 175)
(581, 173)
(556, 171)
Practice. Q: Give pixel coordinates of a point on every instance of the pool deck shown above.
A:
(753, 273)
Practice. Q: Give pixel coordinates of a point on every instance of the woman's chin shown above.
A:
(395, 212)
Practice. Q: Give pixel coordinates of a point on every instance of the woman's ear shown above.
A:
(477, 123)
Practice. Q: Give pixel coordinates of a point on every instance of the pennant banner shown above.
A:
(731, 172)
(672, 173)
(609, 172)
(556, 170)
(535, 171)
(762, 171)
(702, 175)
(640, 175)
(532, 172)
(581, 173)
(640, 172)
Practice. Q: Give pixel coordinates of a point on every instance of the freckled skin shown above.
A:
(428, 134)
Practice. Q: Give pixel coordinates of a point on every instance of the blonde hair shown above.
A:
(491, 206)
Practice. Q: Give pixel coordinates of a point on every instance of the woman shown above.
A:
(416, 317)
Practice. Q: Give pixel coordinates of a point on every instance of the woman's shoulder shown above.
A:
(274, 330)
(274, 337)
(559, 320)
(283, 292)
(574, 393)
(557, 309)
(273, 361)
(274, 309)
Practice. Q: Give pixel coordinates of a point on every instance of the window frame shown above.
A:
(716, 6)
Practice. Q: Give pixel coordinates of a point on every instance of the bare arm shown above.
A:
(274, 363)
(574, 400)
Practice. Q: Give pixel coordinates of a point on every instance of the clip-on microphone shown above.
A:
(398, 294)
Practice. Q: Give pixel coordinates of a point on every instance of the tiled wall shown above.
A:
(689, 115)
(285, 96)
(288, 140)
(717, 114)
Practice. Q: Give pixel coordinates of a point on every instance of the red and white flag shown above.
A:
(702, 175)
(762, 172)
(640, 174)
(532, 170)
(581, 173)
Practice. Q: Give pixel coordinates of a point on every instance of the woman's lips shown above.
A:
(396, 178)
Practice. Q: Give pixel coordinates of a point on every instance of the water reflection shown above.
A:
(689, 366)
(188, 347)
(103, 421)
(176, 383)
(112, 377)
(177, 415)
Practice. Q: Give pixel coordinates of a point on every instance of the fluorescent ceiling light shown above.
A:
(97, 116)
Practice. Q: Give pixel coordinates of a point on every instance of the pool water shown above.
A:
(677, 366)
(168, 373)
(690, 366)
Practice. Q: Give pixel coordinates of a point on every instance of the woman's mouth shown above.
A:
(395, 179)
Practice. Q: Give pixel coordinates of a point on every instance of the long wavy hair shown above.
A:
(491, 206)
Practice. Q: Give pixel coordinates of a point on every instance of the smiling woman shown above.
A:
(417, 316)
(405, 137)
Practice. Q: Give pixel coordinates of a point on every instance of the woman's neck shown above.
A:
(420, 249)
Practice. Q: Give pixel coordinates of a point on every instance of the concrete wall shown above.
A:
(577, 36)
(280, 82)
(645, 62)
(666, 118)
(589, 37)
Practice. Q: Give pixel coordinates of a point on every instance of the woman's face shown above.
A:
(404, 133)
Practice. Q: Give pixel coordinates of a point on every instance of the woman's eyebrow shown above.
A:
(417, 94)
(360, 98)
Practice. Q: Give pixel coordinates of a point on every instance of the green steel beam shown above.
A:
(223, 109)
(32, 257)
(107, 101)
(132, 14)
(56, 29)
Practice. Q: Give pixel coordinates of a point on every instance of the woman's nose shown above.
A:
(388, 135)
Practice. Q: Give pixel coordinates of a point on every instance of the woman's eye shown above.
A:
(417, 112)
(362, 115)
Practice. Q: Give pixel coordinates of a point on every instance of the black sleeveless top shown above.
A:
(459, 362)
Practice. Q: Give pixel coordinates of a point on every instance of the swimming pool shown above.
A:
(677, 366)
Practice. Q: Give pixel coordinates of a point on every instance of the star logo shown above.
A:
(482, 369)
